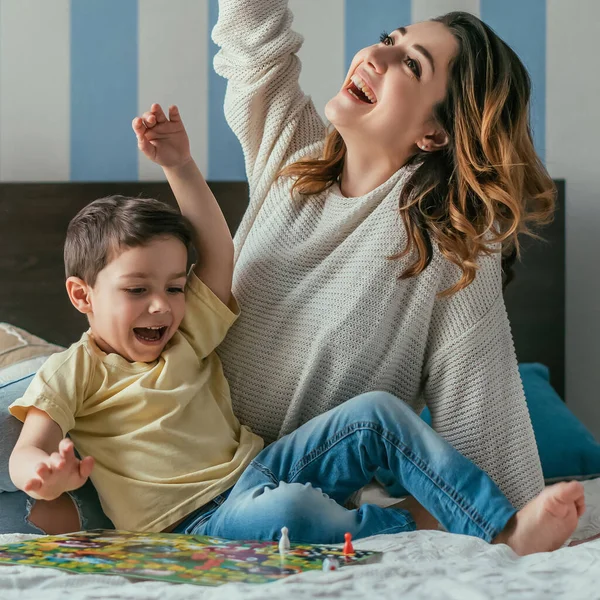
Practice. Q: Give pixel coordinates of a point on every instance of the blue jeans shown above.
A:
(15, 505)
(303, 480)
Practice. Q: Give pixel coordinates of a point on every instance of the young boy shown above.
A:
(144, 400)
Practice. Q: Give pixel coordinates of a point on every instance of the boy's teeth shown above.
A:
(150, 333)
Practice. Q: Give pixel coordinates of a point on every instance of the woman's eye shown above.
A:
(414, 66)
(386, 39)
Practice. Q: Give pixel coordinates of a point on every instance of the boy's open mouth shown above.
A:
(150, 334)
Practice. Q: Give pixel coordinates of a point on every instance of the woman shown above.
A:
(381, 269)
(370, 258)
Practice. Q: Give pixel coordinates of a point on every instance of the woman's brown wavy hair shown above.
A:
(487, 185)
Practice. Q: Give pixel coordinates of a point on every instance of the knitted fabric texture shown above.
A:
(325, 316)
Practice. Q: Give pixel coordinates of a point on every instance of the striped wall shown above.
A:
(73, 73)
(82, 69)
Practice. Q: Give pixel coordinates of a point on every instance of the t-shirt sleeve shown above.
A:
(59, 388)
(207, 320)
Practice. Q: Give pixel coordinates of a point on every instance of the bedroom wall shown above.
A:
(73, 73)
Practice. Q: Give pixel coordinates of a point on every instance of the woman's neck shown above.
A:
(365, 170)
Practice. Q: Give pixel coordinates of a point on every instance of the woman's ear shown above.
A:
(79, 294)
(436, 140)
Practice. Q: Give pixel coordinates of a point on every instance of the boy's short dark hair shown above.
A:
(115, 222)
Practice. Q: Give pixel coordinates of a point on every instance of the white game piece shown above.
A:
(331, 564)
(284, 541)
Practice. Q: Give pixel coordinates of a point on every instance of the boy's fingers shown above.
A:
(56, 461)
(153, 134)
(65, 445)
(138, 126)
(86, 466)
(146, 146)
(174, 113)
(149, 119)
(43, 470)
(33, 485)
(158, 113)
(67, 450)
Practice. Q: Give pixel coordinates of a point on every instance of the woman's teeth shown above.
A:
(364, 88)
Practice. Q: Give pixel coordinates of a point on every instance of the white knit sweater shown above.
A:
(324, 315)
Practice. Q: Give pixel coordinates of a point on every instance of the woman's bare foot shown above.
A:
(547, 521)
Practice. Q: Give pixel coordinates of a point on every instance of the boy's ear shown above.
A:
(79, 294)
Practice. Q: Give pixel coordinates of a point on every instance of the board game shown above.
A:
(175, 558)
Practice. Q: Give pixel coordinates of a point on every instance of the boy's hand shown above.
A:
(61, 472)
(162, 140)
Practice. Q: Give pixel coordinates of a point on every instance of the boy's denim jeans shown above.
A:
(303, 480)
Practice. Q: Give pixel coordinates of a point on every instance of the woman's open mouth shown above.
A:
(150, 335)
(360, 90)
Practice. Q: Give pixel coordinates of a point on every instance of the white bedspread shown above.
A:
(426, 565)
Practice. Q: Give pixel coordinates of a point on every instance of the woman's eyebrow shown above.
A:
(419, 48)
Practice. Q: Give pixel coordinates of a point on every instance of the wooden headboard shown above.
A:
(34, 219)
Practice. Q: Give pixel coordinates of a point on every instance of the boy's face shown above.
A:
(137, 302)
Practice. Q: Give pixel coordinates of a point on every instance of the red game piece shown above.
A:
(348, 548)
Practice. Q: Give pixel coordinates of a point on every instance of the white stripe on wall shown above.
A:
(322, 55)
(34, 90)
(173, 69)
(427, 9)
(572, 134)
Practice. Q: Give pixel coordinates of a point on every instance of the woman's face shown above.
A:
(392, 87)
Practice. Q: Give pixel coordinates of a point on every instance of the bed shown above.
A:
(33, 218)
(416, 565)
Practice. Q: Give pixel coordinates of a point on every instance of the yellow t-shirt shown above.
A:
(163, 434)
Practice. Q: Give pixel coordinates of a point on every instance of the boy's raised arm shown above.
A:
(165, 141)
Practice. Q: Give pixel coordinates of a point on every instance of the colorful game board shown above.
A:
(176, 558)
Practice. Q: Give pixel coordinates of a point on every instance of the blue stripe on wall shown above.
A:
(225, 157)
(104, 89)
(366, 20)
(522, 25)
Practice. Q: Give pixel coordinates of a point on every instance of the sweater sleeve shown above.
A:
(474, 391)
(264, 105)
